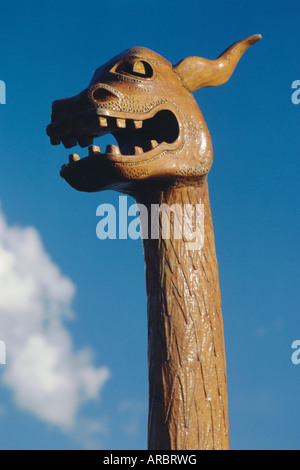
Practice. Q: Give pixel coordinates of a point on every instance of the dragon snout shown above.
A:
(73, 118)
(67, 106)
(92, 97)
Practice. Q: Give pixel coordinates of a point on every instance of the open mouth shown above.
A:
(137, 139)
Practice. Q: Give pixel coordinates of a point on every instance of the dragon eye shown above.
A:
(139, 68)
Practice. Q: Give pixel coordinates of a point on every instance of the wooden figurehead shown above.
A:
(163, 156)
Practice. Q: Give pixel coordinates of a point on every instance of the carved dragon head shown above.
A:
(148, 106)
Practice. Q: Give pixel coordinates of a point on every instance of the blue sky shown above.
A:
(72, 307)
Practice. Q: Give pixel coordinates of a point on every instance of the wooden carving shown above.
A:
(163, 156)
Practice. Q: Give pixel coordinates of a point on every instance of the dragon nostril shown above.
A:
(102, 95)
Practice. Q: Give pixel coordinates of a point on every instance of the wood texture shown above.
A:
(163, 156)
(187, 369)
(197, 72)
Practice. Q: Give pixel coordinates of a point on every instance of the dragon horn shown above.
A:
(196, 72)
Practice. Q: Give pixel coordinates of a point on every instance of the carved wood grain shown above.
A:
(186, 354)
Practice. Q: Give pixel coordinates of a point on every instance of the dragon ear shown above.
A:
(196, 72)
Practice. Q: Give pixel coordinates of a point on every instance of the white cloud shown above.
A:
(91, 433)
(47, 377)
(132, 413)
(263, 331)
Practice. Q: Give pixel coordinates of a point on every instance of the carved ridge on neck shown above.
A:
(186, 354)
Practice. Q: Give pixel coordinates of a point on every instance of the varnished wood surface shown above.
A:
(163, 155)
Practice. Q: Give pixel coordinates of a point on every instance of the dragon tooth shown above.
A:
(112, 149)
(85, 141)
(74, 157)
(103, 121)
(69, 142)
(121, 123)
(138, 124)
(138, 150)
(54, 140)
(94, 149)
(154, 144)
